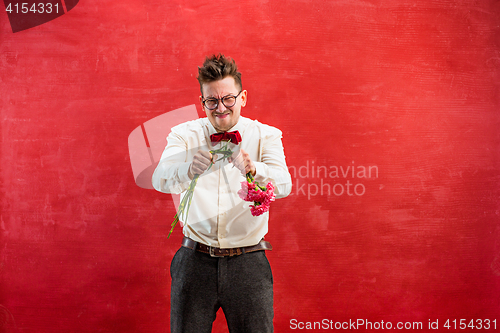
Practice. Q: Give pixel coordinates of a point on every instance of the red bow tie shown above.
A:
(234, 137)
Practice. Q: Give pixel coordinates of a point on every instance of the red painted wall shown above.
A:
(408, 90)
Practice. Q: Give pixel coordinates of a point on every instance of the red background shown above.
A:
(411, 87)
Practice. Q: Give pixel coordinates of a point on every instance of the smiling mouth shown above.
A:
(222, 115)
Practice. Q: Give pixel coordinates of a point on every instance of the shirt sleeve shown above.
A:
(171, 174)
(272, 167)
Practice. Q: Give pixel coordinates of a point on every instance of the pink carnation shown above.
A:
(261, 198)
(257, 195)
(259, 209)
(246, 189)
(270, 197)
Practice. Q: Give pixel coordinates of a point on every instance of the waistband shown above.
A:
(218, 252)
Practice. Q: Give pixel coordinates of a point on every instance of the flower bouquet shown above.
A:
(262, 196)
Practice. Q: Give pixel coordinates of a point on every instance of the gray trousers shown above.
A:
(242, 285)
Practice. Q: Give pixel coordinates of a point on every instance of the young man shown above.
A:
(222, 260)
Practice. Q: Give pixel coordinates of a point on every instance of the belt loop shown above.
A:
(242, 250)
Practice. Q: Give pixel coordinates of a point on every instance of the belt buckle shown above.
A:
(212, 254)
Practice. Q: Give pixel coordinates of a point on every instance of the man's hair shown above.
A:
(218, 67)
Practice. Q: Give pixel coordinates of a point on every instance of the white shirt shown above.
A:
(218, 216)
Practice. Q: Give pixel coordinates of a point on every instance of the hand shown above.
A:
(201, 161)
(243, 162)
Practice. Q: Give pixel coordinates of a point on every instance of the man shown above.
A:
(222, 260)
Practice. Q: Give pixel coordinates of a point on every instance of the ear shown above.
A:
(243, 98)
(201, 102)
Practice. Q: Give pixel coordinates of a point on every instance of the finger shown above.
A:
(234, 159)
(240, 164)
(248, 166)
(205, 154)
(198, 168)
(204, 157)
(237, 155)
(201, 161)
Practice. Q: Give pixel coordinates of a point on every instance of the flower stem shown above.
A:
(183, 209)
(250, 179)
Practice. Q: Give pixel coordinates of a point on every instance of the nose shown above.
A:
(221, 107)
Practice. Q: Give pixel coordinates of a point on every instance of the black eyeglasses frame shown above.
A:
(220, 100)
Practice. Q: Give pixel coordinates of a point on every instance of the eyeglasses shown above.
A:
(228, 101)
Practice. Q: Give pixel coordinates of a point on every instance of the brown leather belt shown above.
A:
(218, 252)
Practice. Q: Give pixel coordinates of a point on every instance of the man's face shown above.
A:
(223, 118)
